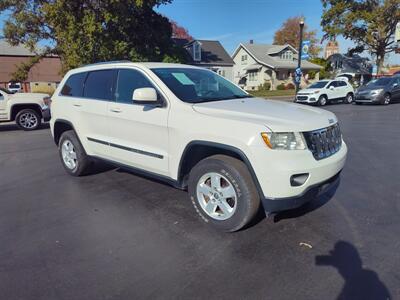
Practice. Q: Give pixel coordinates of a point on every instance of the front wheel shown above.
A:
(28, 119)
(349, 98)
(386, 99)
(322, 100)
(223, 193)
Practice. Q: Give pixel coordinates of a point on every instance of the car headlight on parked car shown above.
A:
(376, 92)
(284, 140)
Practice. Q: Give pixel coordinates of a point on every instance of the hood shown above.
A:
(279, 116)
(308, 91)
(365, 88)
(28, 96)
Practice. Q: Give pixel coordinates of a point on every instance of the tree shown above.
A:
(88, 31)
(180, 32)
(369, 24)
(289, 33)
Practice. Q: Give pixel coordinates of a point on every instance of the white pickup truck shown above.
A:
(26, 109)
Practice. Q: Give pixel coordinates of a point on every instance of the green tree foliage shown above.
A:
(289, 33)
(88, 31)
(370, 24)
(325, 72)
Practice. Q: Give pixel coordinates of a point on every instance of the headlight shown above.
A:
(376, 92)
(284, 140)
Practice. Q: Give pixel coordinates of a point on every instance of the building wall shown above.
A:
(48, 70)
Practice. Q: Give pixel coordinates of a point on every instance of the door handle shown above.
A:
(116, 110)
(77, 105)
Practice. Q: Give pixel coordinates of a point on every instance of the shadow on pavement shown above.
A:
(14, 127)
(359, 283)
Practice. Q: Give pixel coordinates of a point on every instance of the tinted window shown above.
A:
(379, 82)
(318, 85)
(74, 85)
(342, 83)
(98, 85)
(128, 81)
(333, 83)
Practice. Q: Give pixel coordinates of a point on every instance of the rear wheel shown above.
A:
(223, 192)
(73, 157)
(386, 99)
(349, 98)
(28, 119)
(322, 100)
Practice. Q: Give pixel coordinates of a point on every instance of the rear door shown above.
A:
(343, 89)
(138, 134)
(332, 90)
(91, 109)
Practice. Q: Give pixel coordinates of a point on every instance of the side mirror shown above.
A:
(395, 84)
(331, 87)
(145, 96)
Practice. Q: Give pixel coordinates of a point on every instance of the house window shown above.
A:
(244, 59)
(287, 55)
(196, 51)
(253, 76)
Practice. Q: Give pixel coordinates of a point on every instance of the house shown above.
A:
(332, 47)
(208, 54)
(44, 74)
(354, 67)
(256, 64)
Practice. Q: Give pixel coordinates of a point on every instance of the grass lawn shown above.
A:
(266, 94)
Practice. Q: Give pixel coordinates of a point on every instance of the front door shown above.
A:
(3, 111)
(138, 134)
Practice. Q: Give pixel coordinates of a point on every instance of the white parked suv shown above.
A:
(326, 91)
(26, 109)
(194, 129)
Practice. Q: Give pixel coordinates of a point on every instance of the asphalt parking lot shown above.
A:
(114, 235)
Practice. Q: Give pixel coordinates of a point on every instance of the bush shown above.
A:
(280, 87)
(290, 86)
(266, 86)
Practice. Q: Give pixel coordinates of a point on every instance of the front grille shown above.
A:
(302, 97)
(324, 142)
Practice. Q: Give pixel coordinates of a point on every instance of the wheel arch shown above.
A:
(60, 126)
(16, 108)
(196, 151)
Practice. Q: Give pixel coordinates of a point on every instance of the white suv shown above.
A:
(194, 129)
(325, 91)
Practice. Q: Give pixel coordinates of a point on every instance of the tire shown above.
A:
(233, 201)
(387, 98)
(349, 98)
(28, 119)
(73, 157)
(322, 100)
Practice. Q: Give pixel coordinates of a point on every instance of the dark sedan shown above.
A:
(380, 91)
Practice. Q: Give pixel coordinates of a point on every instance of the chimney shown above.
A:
(251, 41)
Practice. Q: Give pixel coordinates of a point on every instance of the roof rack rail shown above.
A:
(108, 62)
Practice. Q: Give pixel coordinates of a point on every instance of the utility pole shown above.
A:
(300, 53)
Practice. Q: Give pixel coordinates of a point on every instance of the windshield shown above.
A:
(318, 85)
(198, 85)
(379, 82)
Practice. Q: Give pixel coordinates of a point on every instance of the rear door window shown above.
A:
(99, 85)
(74, 85)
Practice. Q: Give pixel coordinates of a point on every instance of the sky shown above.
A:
(235, 21)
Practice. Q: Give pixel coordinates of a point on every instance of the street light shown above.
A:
(301, 24)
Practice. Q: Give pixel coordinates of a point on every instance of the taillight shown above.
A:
(47, 101)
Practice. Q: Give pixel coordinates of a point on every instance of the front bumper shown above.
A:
(276, 205)
(46, 114)
(306, 98)
(366, 98)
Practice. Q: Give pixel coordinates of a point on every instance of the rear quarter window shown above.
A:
(74, 85)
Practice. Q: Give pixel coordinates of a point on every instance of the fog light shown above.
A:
(298, 179)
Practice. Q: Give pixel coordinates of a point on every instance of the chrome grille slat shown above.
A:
(324, 142)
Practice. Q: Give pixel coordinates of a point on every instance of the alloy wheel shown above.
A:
(28, 120)
(68, 154)
(216, 196)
